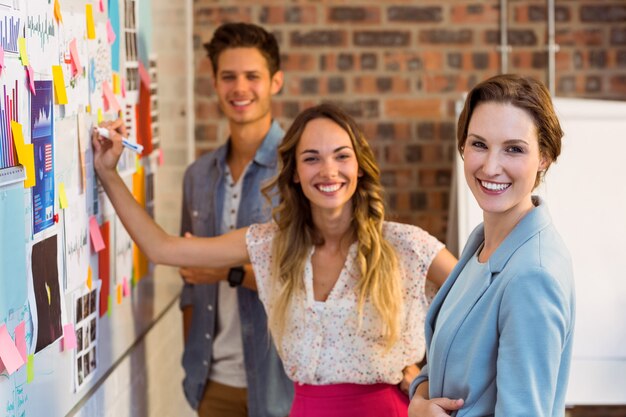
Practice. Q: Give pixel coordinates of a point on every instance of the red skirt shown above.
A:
(349, 400)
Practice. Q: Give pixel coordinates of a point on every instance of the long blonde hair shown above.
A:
(380, 280)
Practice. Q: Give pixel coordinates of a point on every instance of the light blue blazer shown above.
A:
(508, 344)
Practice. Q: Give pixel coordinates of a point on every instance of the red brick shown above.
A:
(294, 61)
(353, 15)
(370, 84)
(420, 108)
(412, 61)
(475, 13)
(293, 14)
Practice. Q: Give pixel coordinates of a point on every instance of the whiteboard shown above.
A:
(586, 194)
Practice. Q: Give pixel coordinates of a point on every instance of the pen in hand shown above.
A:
(104, 132)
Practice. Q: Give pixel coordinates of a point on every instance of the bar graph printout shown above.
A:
(42, 128)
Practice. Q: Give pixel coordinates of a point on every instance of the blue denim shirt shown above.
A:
(270, 392)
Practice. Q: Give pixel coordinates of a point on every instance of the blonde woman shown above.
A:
(346, 292)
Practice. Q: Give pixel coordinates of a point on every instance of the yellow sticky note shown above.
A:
(88, 109)
(110, 304)
(25, 154)
(62, 196)
(23, 54)
(89, 279)
(57, 11)
(100, 116)
(59, 85)
(29, 165)
(30, 368)
(91, 28)
(117, 86)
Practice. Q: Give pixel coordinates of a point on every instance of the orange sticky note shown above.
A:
(8, 351)
(76, 67)
(144, 75)
(119, 294)
(110, 33)
(57, 11)
(96, 236)
(20, 340)
(21, 42)
(62, 196)
(25, 154)
(89, 279)
(30, 368)
(69, 337)
(60, 94)
(109, 98)
(91, 28)
(116, 83)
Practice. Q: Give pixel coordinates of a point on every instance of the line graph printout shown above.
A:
(76, 241)
(41, 36)
(42, 131)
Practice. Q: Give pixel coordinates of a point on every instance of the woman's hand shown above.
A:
(408, 375)
(108, 151)
(436, 407)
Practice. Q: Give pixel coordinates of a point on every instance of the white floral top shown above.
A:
(322, 343)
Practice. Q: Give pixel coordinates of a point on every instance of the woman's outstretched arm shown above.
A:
(219, 252)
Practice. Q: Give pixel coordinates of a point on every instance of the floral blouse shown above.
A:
(323, 343)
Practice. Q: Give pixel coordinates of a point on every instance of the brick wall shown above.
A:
(399, 67)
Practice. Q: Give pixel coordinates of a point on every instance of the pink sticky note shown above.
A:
(125, 287)
(1, 59)
(110, 97)
(110, 33)
(143, 74)
(76, 67)
(101, 6)
(161, 159)
(96, 236)
(123, 82)
(20, 340)
(31, 79)
(69, 337)
(9, 354)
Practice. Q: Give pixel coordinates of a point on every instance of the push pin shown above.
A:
(56, 218)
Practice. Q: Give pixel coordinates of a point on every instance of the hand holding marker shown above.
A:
(104, 132)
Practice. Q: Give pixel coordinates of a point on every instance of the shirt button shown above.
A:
(209, 307)
(194, 213)
(231, 227)
(208, 336)
(205, 363)
(234, 195)
(232, 211)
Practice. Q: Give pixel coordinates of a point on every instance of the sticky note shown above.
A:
(119, 294)
(116, 83)
(8, 351)
(60, 94)
(25, 154)
(23, 54)
(144, 75)
(110, 32)
(31, 79)
(62, 196)
(69, 337)
(109, 97)
(123, 82)
(30, 368)
(91, 28)
(76, 66)
(20, 340)
(100, 116)
(161, 158)
(101, 6)
(125, 287)
(1, 59)
(96, 236)
(57, 11)
(89, 278)
(110, 303)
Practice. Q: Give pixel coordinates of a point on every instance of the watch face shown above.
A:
(235, 276)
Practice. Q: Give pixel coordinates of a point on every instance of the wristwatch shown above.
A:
(235, 276)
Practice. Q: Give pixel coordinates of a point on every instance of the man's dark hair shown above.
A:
(244, 35)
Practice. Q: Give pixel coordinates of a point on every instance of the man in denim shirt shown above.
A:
(231, 366)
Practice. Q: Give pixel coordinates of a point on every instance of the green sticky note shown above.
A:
(30, 368)
(110, 303)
